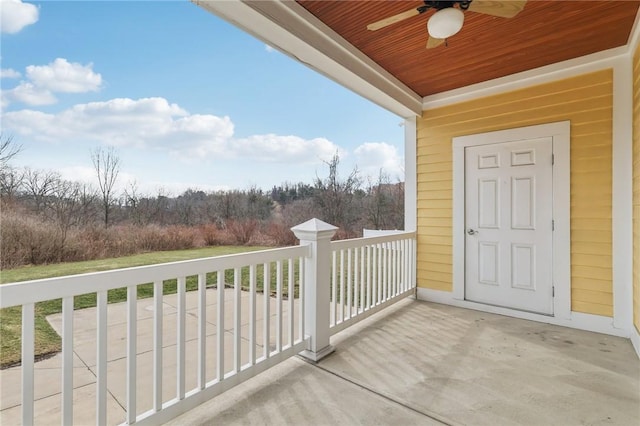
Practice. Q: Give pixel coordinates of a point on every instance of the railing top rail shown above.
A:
(19, 293)
(365, 241)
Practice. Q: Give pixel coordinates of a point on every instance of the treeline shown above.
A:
(47, 219)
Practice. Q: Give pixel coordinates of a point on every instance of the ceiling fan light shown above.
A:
(445, 23)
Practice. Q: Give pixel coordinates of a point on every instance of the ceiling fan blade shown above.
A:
(503, 9)
(434, 42)
(393, 19)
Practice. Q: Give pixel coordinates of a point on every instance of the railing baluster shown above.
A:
(377, 269)
(394, 251)
(291, 294)
(349, 271)
(390, 259)
(202, 331)
(28, 332)
(363, 272)
(369, 276)
(397, 251)
(334, 284)
(356, 280)
(101, 359)
(342, 285)
(181, 337)
(132, 340)
(374, 274)
(266, 285)
(279, 306)
(385, 271)
(386, 289)
(252, 314)
(220, 327)
(378, 273)
(399, 270)
(380, 263)
(67, 360)
(409, 255)
(301, 285)
(237, 321)
(405, 265)
(158, 316)
(392, 270)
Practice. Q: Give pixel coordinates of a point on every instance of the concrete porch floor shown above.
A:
(414, 363)
(424, 363)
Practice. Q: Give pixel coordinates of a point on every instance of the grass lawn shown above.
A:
(47, 340)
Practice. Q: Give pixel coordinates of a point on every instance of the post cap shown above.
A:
(314, 228)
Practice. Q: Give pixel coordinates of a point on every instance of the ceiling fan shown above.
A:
(448, 19)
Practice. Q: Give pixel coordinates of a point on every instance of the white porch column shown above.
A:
(316, 234)
(410, 175)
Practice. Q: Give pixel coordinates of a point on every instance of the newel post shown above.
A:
(317, 235)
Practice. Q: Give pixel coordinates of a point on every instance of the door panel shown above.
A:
(488, 203)
(508, 215)
(523, 203)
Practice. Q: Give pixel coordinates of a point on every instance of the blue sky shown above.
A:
(186, 99)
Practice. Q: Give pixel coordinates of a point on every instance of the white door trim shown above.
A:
(560, 132)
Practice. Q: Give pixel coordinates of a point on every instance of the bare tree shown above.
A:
(334, 196)
(11, 181)
(384, 204)
(64, 208)
(10, 178)
(378, 201)
(39, 185)
(132, 201)
(8, 149)
(107, 166)
(88, 199)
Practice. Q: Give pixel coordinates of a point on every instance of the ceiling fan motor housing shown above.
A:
(443, 4)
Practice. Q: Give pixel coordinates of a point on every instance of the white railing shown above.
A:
(337, 283)
(264, 269)
(369, 274)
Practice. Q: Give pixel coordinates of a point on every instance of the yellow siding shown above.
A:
(584, 100)
(636, 189)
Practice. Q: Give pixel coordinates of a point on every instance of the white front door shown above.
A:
(508, 219)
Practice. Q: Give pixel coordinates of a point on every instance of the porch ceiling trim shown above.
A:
(548, 73)
(541, 75)
(290, 28)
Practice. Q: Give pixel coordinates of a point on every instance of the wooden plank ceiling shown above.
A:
(487, 47)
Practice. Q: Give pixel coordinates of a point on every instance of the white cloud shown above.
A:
(64, 77)
(284, 149)
(373, 156)
(59, 76)
(154, 123)
(31, 94)
(82, 174)
(9, 73)
(15, 15)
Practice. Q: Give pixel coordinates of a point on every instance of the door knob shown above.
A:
(472, 232)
